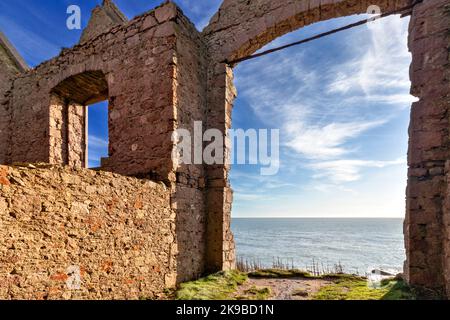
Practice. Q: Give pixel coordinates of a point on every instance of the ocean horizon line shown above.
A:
(343, 218)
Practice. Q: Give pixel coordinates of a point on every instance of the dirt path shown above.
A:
(285, 289)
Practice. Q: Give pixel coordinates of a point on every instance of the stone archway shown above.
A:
(240, 28)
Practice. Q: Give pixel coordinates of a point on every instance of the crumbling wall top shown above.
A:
(242, 27)
(103, 18)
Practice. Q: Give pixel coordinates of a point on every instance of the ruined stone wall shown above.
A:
(118, 231)
(29, 121)
(153, 74)
(103, 18)
(242, 27)
(141, 121)
(68, 132)
(5, 120)
(7, 72)
(158, 74)
(138, 61)
(220, 240)
(427, 219)
(188, 198)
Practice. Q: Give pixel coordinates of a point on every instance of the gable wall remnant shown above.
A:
(103, 18)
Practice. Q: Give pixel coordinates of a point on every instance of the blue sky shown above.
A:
(341, 103)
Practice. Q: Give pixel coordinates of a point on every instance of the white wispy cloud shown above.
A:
(340, 171)
(97, 142)
(243, 180)
(322, 110)
(325, 142)
(31, 45)
(375, 71)
(249, 196)
(332, 187)
(98, 148)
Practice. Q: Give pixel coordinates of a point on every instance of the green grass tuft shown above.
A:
(399, 291)
(224, 285)
(256, 293)
(300, 293)
(279, 274)
(356, 288)
(219, 286)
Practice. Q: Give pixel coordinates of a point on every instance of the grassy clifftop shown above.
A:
(219, 286)
(292, 285)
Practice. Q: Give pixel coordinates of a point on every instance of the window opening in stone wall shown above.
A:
(98, 136)
(72, 131)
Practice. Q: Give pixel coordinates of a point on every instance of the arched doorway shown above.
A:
(241, 28)
(342, 107)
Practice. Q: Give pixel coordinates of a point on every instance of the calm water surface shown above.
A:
(357, 244)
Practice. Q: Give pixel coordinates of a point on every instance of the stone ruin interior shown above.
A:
(143, 223)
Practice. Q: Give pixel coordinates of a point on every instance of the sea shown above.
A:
(355, 245)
